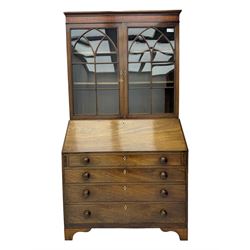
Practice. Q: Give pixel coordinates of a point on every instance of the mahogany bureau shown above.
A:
(124, 158)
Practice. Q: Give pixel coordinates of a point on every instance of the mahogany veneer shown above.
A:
(124, 158)
(108, 183)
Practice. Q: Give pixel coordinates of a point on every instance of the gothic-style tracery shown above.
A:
(94, 62)
(151, 61)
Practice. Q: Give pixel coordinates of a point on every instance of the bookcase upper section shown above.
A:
(123, 64)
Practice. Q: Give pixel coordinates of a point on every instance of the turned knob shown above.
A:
(163, 160)
(86, 193)
(164, 193)
(86, 160)
(86, 175)
(86, 213)
(163, 213)
(164, 175)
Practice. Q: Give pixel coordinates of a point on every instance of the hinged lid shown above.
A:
(125, 135)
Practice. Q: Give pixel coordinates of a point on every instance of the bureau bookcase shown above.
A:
(124, 158)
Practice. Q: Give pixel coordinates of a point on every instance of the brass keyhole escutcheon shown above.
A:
(125, 207)
(124, 171)
(124, 158)
(124, 188)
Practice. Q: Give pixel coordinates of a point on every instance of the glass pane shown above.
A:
(92, 40)
(83, 74)
(139, 72)
(163, 100)
(140, 39)
(140, 57)
(160, 85)
(106, 58)
(106, 73)
(103, 58)
(82, 57)
(108, 101)
(151, 63)
(84, 101)
(162, 57)
(83, 87)
(158, 99)
(162, 72)
(106, 46)
(94, 59)
(139, 100)
(88, 43)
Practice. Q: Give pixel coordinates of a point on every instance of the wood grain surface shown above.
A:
(136, 175)
(122, 16)
(126, 213)
(123, 192)
(124, 135)
(126, 159)
(120, 172)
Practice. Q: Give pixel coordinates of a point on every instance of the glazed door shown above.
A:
(94, 70)
(123, 70)
(151, 70)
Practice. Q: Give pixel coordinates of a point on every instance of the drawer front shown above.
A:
(125, 213)
(123, 192)
(143, 159)
(95, 175)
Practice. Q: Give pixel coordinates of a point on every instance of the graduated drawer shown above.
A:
(123, 192)
(126, 159)
(125, 213)
(132, 174)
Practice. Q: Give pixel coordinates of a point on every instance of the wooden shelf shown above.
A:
(83, 53)
(156, 51)
(158, 82)
(99, 83)
(75, 63)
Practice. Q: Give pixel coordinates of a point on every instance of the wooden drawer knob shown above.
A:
(163, 213)
(164, 175)
(86, 160)
(164, 193)
(86, 213)
(86, 175)
(163, 160)
(86, 193)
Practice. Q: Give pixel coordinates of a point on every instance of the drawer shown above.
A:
(143, 159)
(125, 213)
(123, 192)
(95, 175)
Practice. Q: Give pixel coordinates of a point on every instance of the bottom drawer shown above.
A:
(125, 213)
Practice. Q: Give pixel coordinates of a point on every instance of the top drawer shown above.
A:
(112, 159)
